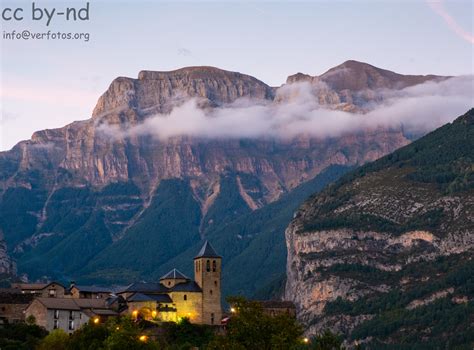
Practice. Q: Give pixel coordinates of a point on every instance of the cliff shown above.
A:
(388, 249)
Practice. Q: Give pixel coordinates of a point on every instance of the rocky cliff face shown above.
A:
(371, 252)
(7, 265)
(65, 183)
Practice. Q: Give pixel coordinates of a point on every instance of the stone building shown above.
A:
(45, 290)
(278, 307)
(69, 314)
(13, 304)
(89, 292)
(177, 296)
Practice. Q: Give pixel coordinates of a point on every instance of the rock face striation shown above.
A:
(7, 265)
(388, 249)
(70, 197)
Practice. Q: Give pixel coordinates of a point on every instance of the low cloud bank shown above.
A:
(417, 109)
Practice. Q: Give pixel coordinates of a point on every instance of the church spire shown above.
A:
(207, 251)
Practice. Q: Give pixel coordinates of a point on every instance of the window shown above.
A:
(56, 324)
(71, 315)
(185, 297)
(214, 266)
(212, 318)
(208, 266)
(210, 291)
(215, 283)
(56, 314)
(71, 325)
(52, 293)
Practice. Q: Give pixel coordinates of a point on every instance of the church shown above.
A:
(176, 296)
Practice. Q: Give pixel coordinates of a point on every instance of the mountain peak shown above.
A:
(154, 91)
(358, 76)
(194, 72)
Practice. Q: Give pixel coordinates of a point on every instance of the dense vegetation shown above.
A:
(168, 235)
(444, 157)
(78, 235)
(249, 328)
(439, 164)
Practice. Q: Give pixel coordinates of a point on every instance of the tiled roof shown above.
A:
(188, 286)
(34, 286)
(207, 251)
(160, 298)
(100, 312)
(143, 287)
(72, 303)
(14, 296)
(92, 289)
(277, 304)
(174, 274)
(59, 303)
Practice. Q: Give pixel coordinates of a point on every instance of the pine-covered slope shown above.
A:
(385, 255)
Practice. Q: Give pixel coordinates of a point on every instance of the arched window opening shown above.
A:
(185, 297)
(214, 266)
(208, 266)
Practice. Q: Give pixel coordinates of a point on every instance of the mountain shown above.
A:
(385, 255)
(76, 203)
(352, 85)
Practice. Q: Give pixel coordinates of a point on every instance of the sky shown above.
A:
(47, 84)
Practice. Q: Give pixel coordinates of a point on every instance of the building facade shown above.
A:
(176, 296)
(12, 305)
(69, 314)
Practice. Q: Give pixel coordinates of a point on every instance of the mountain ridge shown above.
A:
(70, 193)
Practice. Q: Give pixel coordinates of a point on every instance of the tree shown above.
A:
(90, 336)
(126, 334)
(327, 341)
(30, 320)
(20, 336)
(57, 340)
(251, 328)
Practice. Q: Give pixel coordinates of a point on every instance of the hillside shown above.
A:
(95, 201)
(385, 255)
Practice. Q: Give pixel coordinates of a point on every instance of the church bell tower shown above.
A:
(207, 274)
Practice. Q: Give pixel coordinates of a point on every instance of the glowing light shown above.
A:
(189, 314)
(306, 340)
(96, 320)
(143, 338)
(117, 328)
(153, 314)
(135, 313)
(233, 310)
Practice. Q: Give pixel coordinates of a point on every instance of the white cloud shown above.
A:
(421, 108)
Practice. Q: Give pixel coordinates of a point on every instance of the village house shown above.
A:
(278, 307)
(12, 305)
(89, 292)
(69, 314)
(177, 296)
(45, 290)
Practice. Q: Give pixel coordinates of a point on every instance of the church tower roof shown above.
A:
(207, 251)
(175, 275)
